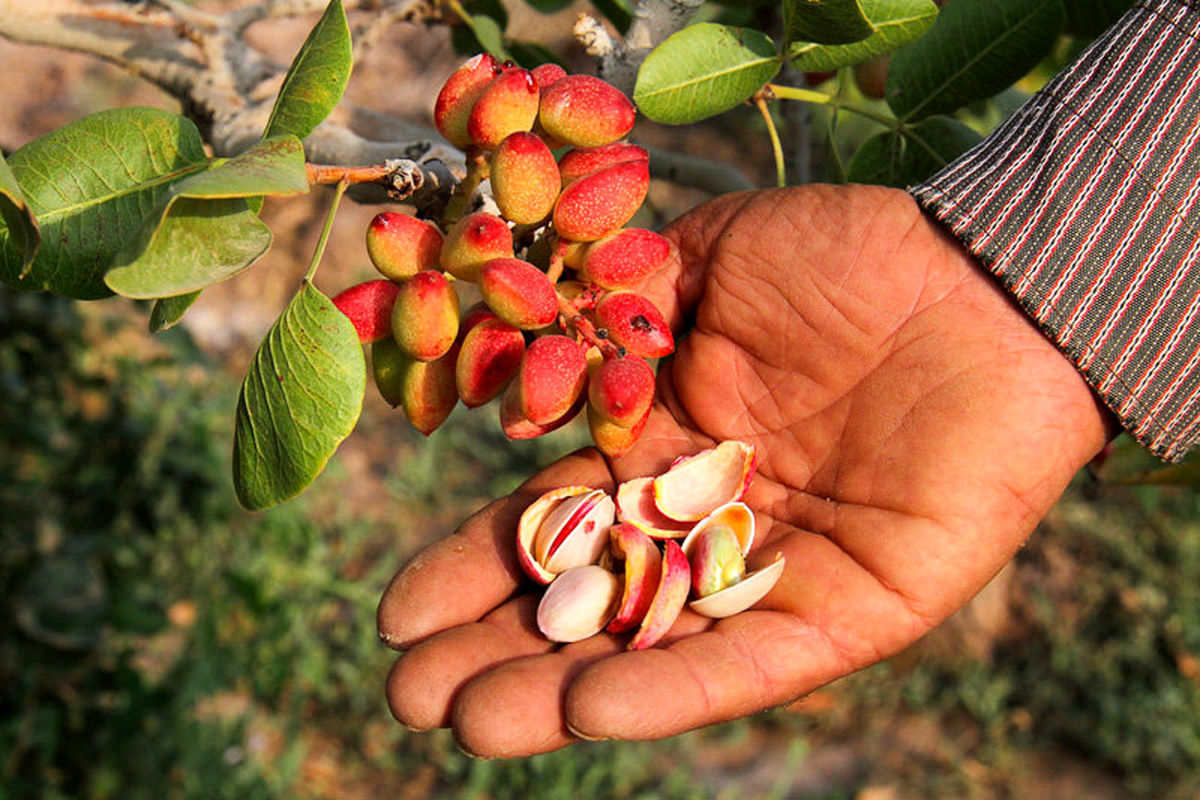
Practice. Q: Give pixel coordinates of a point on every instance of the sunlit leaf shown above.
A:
(89, 184)
(975, 49)
(826, 21)
(300, 399)
(203, 231)
(703, 70)
(20, 228)
(317, 78)
(897, 23)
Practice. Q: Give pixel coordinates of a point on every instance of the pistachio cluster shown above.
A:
(558, 325)
(602, 561)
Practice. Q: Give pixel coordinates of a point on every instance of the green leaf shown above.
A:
(167, 311)
(20, 228)
(826, 21)
(703, 70)
(897, 23)
(196, 243)
(317, 78)
(1091, 17)
(89, 185)
(1127, 462)
(483, 32)
(203, 230)
(975, 49)
(300, 399)
(548, 6)
(911, 155)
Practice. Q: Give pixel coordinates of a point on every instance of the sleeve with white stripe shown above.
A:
(1084, 205)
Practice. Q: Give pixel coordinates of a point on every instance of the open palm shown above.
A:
(912, 427)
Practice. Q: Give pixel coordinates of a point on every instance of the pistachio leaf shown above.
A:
(703, 70)
(826, 21)
(974, 50)
(167, 311)
(1089, 18)
(299, 400)
(20, 227)
(88, 185)
(1127, 462)
(203, 231)
(902, 158)
(481, 32)
(317, 78)
(896, 22)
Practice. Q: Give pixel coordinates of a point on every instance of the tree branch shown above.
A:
(222, 83)
(653, 21)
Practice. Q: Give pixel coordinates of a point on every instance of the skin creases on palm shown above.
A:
(912, 427)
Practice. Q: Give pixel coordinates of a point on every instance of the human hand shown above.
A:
(912, 428)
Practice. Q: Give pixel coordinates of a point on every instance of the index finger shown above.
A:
(462, 577)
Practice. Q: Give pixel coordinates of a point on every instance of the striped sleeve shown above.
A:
(1084, 206)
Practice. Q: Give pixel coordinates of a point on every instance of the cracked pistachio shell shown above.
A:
(564, 528)
(696, 485)
(643, 570)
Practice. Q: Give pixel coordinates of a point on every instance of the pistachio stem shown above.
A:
(477, 168)
(325, 174)
(776, 146)
(558, 251)
(569, 317)
(319, 252)
(809, 96)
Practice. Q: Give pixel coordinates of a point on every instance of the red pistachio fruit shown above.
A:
(602, 202)
(517, 426)
(624, 258)
(519, 293)
(552, 378)
(369, 307)
(488, 358)
(509, 104)
(585, 111)
(621, 390)
(634, 323)
(400, 245)
(580, 161)
(547, 74)
(614, 440)
(425, 316)
(524, 176)
(472, 242)
(462, 89)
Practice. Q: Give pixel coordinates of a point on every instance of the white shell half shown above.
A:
(696, 485)
(587, 539)
(578, 604)
(743, 594)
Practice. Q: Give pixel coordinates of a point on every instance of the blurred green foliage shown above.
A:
(156, 642)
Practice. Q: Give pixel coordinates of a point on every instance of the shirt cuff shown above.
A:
(1084, 206)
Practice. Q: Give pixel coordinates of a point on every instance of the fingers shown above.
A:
(517, 709)
(423, 682)
(745, 664)
(461, 578)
